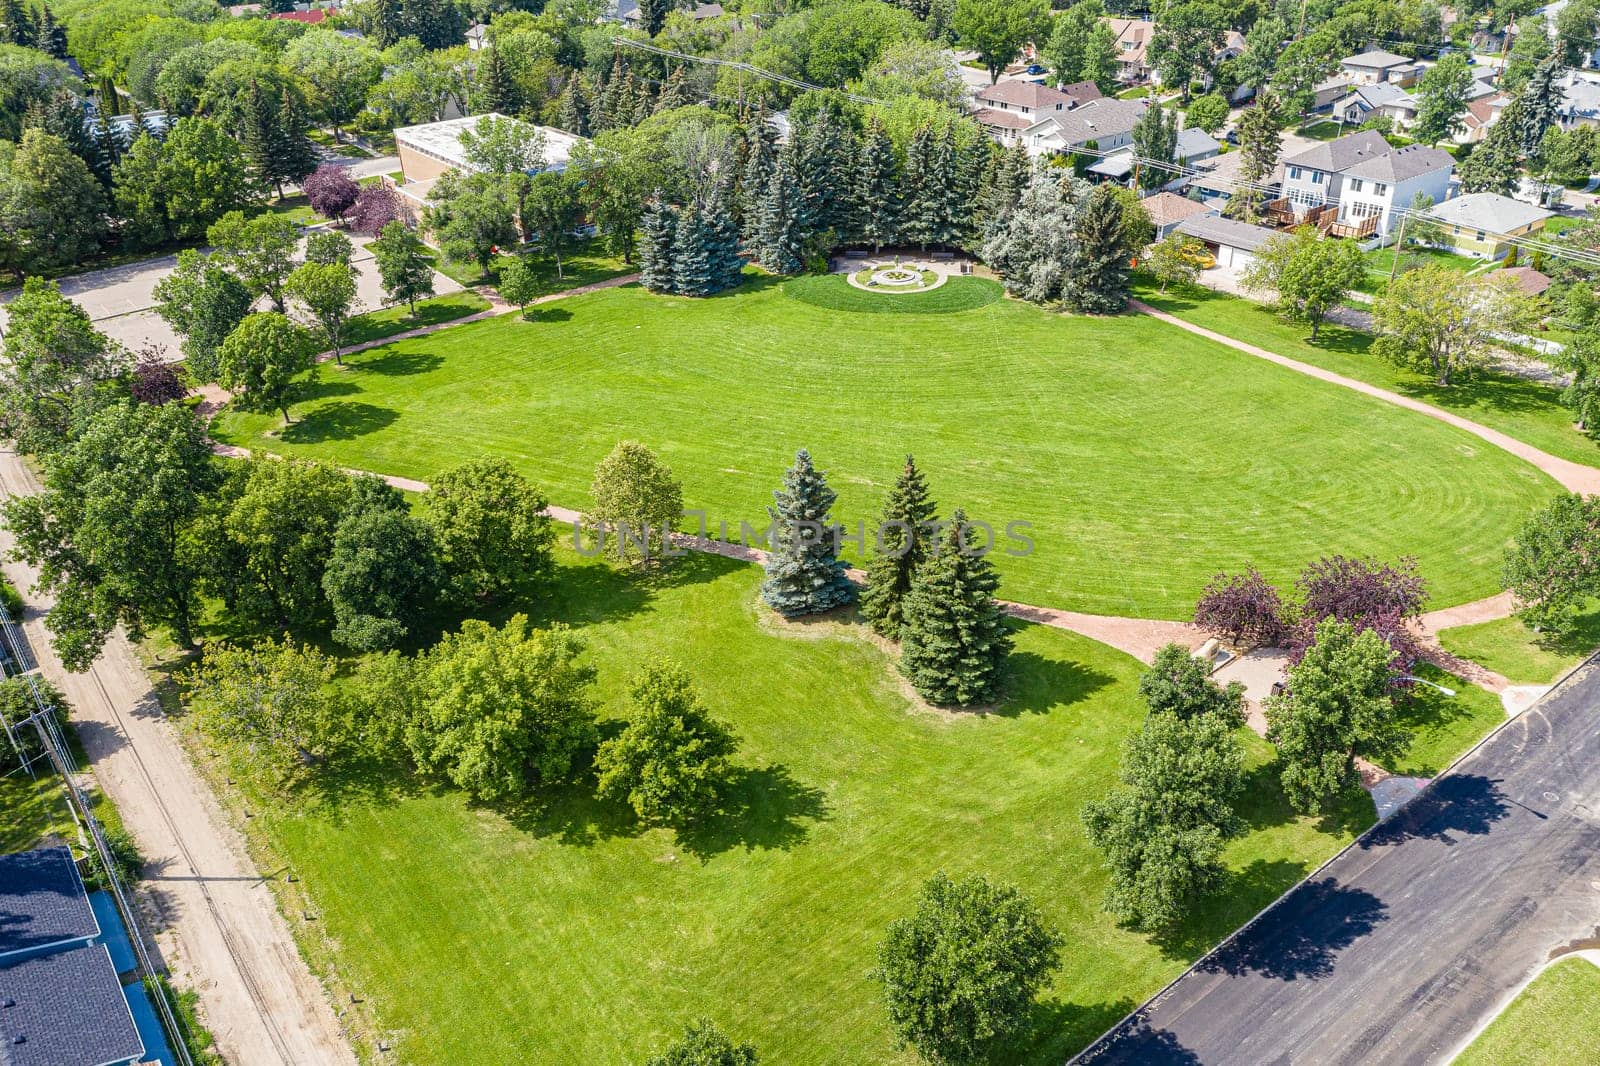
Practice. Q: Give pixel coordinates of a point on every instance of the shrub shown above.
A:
(376, 206)
(154, 380)
(1243, 609)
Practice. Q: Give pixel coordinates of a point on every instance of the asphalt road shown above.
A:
(1401, 948)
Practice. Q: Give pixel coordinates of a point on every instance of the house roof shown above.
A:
(1116, 165)
(1488, 211)
(1024, 93)
(1376, 59)
(1005, 120)
(1166, 208)
(1221, 174)
(1528, 279)
(1383, 94)
(1403, 164)
(1194, 143)
(1132, 38)
(1106, 117)
(42, 901)
(1582, 94)
(1342, 153)
(1083, 91)
(1232, 233)
(442, 140)
(66, 1008)
(310, 18)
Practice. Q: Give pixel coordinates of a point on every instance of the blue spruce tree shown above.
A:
(804, 572)
(722, 239)
(691, 256)
(954, 643)
(657, 242)
(780, 241)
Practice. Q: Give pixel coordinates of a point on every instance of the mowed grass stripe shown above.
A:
(1145, 458)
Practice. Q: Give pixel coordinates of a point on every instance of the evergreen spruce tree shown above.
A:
(19, 28)
(51, 38)
(638, 103)
(657, 245)
(497, 92)
(691, 254)
(263, 140)
(780, 243)
(722, 239)
(954, 643)
(877, 187)
(761, 158)
(822, 167)
(675, 92)
(903, 542)
(804, 572)
(1003, 189)
(296, 156)
(108, 148)
(1541, 103)
(572, 110)
(1155, 137)
(975, 162)
(61, 114)
(1097, 266)
(106, 100)
(653, 15)
(919, 219)
(603, 112)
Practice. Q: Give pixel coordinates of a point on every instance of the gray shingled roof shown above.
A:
(1194, 143)
(1341, 153)
(1376, 58)
(1107, 117)
(66, 1009)
(1403, 163)
(42, 901)
(1228, 231)
(1025, 94)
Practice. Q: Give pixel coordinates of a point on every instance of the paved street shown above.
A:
(1406, 944)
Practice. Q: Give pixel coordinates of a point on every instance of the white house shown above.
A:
(1105, 124)
(1581, 105)
(1007, 108)
(1370, 68)
(1383, 99)
(1364, 178)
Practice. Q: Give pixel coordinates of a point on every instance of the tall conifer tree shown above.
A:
(1097, 266)
(955, 640)
(691, 255)
(658, 236)
(780, 242)
(804, 572)
(877, 187)
(903, 538)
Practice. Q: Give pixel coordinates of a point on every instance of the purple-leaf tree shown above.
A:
(1242, 609)
(1368, 594)
(330, 191)
(154, 380)
(376, 206)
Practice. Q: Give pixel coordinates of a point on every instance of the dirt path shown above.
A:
(1575, 477)
(223, 931)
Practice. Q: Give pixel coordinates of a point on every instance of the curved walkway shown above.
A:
(1574, 477)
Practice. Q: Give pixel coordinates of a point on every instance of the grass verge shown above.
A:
(1554, 1022)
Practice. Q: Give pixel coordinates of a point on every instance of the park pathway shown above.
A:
(1574, 477)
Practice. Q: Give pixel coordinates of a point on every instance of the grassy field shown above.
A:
(1509, 648)
(1145, 458)
(1443, 727)
(31, 809)
(1380, 261)
(375, 325)
(570, 935)
(582, 263)
(1554, 1022)
(1527, 410)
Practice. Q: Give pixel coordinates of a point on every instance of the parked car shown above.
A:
(1232, 137)
(1035, 69)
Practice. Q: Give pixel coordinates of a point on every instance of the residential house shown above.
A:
(1581, 103)
(1007, 108)
(477, 37)
(1483, 224)
(1350, 186)
(1232, 243)
(1104, 125)
(1325, 93)
(1196, 146)
(1370, 68)
(1167, 209)
(1528, 279)
(1379, 100)
(1481, 113)
(1133, 37)
(1551, 12)
(1218, 179)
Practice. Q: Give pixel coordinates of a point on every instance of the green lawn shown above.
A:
(375, 325)
(1554, 1022)
(1380, 261)
(1145, 458)
(31, 809)
(1527, 410)
(1325, 130)
(562, 933)
(1509, 648)
(1443, 728)
(582, 264)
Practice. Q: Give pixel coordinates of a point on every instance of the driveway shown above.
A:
(120, 300)
(1407, 943)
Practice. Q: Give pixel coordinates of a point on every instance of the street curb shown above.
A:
(1088, 1054)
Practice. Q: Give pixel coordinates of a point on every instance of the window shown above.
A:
(1316, 177)
(1355, 184)
(1380, 189)
(1478, 235)
(1294, 172)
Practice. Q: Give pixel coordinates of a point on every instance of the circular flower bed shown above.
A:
(896, 278)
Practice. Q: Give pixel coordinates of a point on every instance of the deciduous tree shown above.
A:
(491, 527)
(637, 503)
(54, 357)
(703, 1044)
(1553, 564)
(1175, 258)
(1446, 323)
(997, 29)
(203, 302)
(403, 265)
(272, 705)
(327, 293)
(382, 574)
(261, 360)
(259, 250)
(1309, 274)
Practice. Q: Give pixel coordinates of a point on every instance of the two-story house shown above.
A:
(1007, 108)
(1383, 99)
(1357, 181)
(1132, 40)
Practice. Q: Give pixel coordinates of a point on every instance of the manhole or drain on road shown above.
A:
(1552, 797)
(1595, 885)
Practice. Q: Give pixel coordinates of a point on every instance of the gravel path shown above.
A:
(222, 930)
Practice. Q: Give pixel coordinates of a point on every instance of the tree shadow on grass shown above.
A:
(391, 362)
(1301, 937)
(546, 315)
(749, 284)
(340, 420)
(1243, 895)
(339, 785)
(762, 808)
(1056, 1031)
(1039, 685)
(1263, 804)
